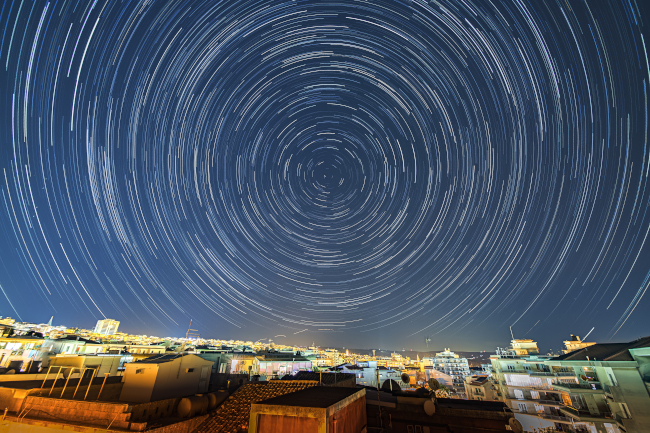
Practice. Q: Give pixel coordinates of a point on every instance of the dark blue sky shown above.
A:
(353, 173)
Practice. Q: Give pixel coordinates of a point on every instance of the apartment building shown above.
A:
(600, 388)
(368, 373)
(451, 364)
(481, 388)
(106, 327)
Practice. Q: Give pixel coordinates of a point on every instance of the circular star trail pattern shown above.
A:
(326, 165)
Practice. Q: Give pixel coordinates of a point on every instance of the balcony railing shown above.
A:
(552, 374)
(542, 415)
(578, 413)
(588, 386)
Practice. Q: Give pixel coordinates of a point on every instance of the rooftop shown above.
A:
(233, 415)
(160, 359)
(320, 396)
(606, 351)
(326, 377)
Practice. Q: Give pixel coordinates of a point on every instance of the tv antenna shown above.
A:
(427, 340)
(191, 333)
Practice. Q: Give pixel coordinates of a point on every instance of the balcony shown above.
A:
(585, 415)
(543, 415)
(554, 403)
(579, 387)
(552, 374)
(544, 388)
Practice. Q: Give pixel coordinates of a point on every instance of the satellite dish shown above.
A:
(406, 378)
(390, 385)
(433, 384)
(429, 407)
(515, 425)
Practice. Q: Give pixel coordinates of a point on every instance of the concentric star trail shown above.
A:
(345, 166)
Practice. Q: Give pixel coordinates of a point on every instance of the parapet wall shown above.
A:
(116, 415)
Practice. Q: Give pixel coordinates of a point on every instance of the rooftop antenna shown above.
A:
(189, 332)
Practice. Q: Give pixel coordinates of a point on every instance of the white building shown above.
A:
(165, 376)
(368, 372)
(600, 388)
(106, 327)
(452, 365)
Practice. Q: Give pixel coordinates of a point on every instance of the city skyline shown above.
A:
(365, 175)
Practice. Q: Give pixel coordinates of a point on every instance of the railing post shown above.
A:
(46, 374)
(55, 379)
(103, 383)
(91, 382)
(66, 381)
(83, 373)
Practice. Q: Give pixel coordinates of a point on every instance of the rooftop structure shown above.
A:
(314, 409)
(575, 343)
(165, 376)
(414, 412)
(234, 413)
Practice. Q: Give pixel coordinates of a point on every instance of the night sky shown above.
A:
(356, 173)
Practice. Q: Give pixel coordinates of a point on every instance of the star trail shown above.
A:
(369, 171)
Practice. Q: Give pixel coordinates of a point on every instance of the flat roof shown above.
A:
(317, 396)
(605, 351)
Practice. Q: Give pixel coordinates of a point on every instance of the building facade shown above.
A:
(481, 388)
(106, 327)
(368, 373)
(601, 388)
(452, 365)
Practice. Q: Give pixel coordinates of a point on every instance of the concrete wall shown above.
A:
(182, 378)
(87, 412)
(286, 424)
(632, 390)
(12, 399)
(139, 381)
(104, 364)
(349, 419)
(26, 425)
(147, 412)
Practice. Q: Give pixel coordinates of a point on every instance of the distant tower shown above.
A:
(50, 322)
(373, 353)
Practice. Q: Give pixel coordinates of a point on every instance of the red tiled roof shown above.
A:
(233, 415)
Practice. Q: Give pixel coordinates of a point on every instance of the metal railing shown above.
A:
(591, 386)
(586, 414)
(552, 373)
(542, 415)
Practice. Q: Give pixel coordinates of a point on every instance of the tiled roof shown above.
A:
(321, 397)
(233, 415)
(606, 351)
